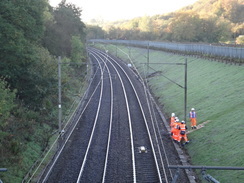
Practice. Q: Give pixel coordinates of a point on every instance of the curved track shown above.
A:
(119, 118)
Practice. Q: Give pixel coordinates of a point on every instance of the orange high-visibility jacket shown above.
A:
(183, 127)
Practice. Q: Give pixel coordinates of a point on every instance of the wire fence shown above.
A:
(205, 49)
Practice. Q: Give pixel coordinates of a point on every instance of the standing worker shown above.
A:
(182, 134)
(193, 118)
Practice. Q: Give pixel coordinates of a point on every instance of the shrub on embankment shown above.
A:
(215, 90)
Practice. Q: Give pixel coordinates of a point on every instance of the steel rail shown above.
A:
(162, 143)
(153, 117)
(94, 125)
(110, 126)
(147, 93)
(137, 74)
(60, 151)
(129, 117)
(82, 99)
(149, 103)
(145, 121)
(111, 119)
(144, 117)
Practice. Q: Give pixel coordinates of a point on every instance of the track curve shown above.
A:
(119, 120)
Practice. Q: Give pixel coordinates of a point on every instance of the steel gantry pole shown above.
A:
(147, 58)
(60, 93)
(185, 107)
(59, 96)
(185, 85)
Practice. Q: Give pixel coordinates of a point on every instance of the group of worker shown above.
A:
(178, 129)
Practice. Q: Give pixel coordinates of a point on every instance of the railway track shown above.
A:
(117, 136)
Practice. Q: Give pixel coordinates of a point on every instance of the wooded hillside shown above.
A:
(32, 35)
(210, 21)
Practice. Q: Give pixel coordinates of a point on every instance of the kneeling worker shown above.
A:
(182, 130)
(175, 131)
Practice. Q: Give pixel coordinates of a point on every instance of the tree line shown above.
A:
(209, 21)
(32, 35)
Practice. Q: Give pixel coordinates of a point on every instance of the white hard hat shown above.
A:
(176, 120)
(183, 122)
(173, 114)
(192, 109)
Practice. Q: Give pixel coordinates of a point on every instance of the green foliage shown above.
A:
(210, 21)
(43, 76)
(238, 30)
(185, 26)
(231, 10)
(145, 24)
(7, 98)
(114, 32)
(240, 40)
(78, 50)
(21, 27)
(94, 31)
(25, 16)
(28, 77)
(66, 23)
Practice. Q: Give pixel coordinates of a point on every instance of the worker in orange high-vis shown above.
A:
(172, 120)
(182, 133)
(175, 131)
(193, 118)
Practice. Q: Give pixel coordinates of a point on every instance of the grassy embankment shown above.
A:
(215, 90)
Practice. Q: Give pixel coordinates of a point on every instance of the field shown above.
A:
(214, 89)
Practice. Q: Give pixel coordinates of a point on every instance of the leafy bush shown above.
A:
(6, 101)
(77, 52)
(240, 39)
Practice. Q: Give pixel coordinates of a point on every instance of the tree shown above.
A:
(204, 21)
(240, 40)
(21, 27)
(43, 81)
(238, 29)
(94, 32)
(7, 98)
(59, 32)
(185, 26)
(113, 32)
(77, 53)
(210, 31)
(145, 24)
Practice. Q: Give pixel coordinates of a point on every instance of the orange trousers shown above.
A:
(184, 137)
(175, 134)
(193, 122)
